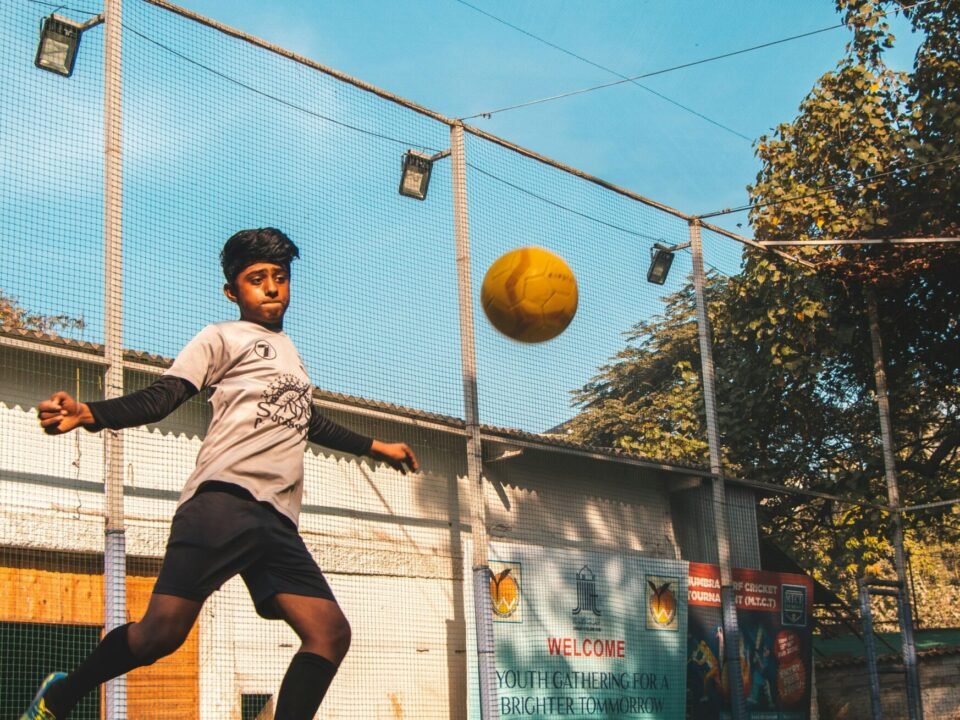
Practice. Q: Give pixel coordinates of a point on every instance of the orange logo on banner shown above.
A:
(504, 593)
(662, 603)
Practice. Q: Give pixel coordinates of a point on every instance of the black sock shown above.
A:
(304, 686)
(110, 659)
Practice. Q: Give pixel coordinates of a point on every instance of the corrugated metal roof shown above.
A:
(849, 651)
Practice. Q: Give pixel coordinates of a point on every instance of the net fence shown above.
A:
(596, 519)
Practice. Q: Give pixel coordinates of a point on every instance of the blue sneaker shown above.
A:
(38, 708)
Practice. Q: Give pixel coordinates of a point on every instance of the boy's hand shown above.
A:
(61, 414)
(399, 456)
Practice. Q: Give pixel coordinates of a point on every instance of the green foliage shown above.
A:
(14, 316)
(648, 400)
(872, 153)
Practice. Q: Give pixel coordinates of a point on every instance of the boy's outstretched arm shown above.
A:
(399, 456)
(324, 431)
(61, 414)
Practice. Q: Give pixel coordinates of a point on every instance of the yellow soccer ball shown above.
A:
(529, 294)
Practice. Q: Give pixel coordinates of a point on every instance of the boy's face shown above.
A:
(262, 292)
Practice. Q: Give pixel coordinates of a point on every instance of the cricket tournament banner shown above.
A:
(776, 650)
(584, 634)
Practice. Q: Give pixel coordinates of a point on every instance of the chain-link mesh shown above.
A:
(605, 559)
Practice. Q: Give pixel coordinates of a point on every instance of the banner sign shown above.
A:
(774, 614)
(584, 634)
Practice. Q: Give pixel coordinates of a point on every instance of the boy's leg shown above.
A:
(162, 630)
(325, 638)
(207, 546)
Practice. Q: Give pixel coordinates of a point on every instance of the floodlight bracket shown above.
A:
(92, 22)
(97, 19)
(671, 248)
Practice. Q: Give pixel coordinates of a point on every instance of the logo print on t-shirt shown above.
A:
(265, 350)
(286, 402)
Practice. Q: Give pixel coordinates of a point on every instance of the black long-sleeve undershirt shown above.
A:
(324, 431)
(169, 392)
(148, 405)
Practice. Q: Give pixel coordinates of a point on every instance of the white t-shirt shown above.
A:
(261, 409)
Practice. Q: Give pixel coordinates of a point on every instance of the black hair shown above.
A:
(248, 247)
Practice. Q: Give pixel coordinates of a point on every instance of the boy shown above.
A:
(239, 509)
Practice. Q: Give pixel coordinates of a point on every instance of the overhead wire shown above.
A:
(682, 66)
(585, 216)
(381, 136)
(581, 91)
(60, 6)
(519, 188)
(246, 86)
(605, 69)
(561, 206)
(265, 94)
(399, 141)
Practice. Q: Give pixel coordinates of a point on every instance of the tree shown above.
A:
(872, 153)
(648, 400)
(14, 316)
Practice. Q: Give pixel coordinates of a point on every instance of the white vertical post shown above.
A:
(486, 658)
(731, 629)
(115, 540)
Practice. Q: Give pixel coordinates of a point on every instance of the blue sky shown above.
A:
(219, 136)
(459, 61)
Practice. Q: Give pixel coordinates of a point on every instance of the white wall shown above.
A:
(390, 544)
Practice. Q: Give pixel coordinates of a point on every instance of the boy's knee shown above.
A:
(156, 641)
(347, 633)
(342, 634)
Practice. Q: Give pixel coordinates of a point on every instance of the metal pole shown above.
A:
(914, 700)
(114, 570)
(486, 658)
(866, 617)
(731, 629)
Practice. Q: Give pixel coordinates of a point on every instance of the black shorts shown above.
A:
(222, 531)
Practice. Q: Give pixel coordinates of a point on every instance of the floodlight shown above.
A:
(416, 173)
(59, 41)
(661, 258)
